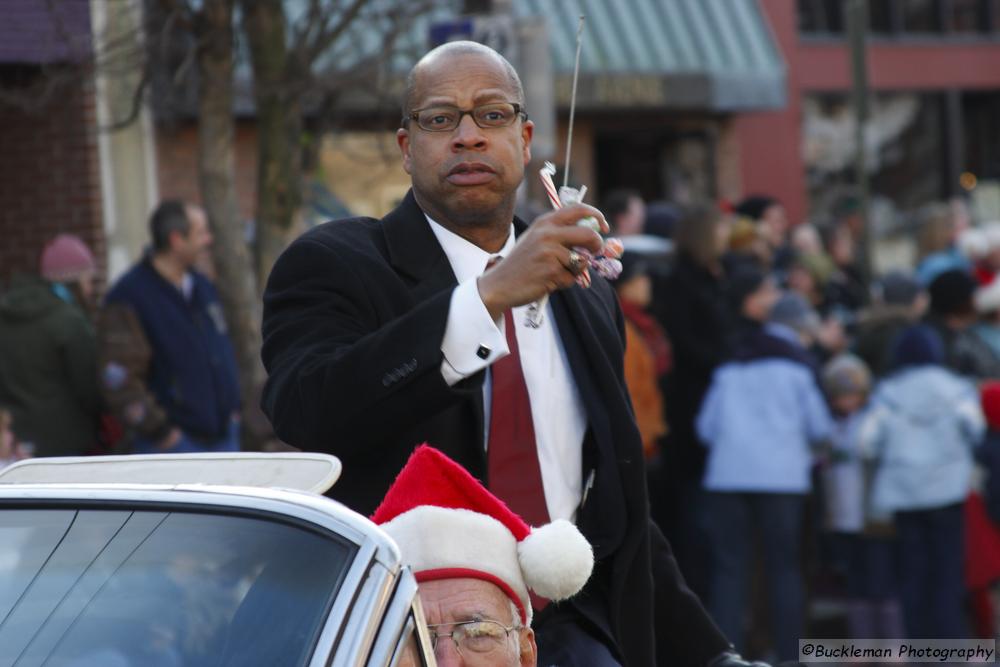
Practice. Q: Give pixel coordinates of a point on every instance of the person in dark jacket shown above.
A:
(167, 367)
(952, 315)
(690, 305)
(382, 335)
(48, 354)
(898, 300)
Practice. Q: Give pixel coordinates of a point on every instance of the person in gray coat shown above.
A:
(923, 423)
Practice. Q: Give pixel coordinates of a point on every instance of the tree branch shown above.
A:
(311, 51)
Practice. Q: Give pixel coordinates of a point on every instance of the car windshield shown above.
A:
(104, 588)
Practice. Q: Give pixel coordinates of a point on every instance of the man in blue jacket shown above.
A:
(167, 367)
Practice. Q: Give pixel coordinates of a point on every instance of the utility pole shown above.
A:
(857, 34)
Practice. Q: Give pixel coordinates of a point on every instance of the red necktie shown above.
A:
(515, 475)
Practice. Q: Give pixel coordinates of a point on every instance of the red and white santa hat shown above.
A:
(447, 526)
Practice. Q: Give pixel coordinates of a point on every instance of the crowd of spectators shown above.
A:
(813, 432)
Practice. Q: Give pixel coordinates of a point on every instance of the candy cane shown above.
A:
(546, 173)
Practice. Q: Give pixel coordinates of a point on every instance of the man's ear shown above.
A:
(175, 238)
(527, 132)
(529, 649)
(403, 141)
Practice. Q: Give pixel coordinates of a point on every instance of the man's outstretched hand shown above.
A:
(540, 262)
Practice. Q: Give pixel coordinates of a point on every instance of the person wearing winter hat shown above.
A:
(66, 261)
(477, 562)
(48, 352)
(861, 548)
(921, 427)
(824, 338)
(898, 300)
(793, 311)
(952, 315)
(751, 294)
(762, 416)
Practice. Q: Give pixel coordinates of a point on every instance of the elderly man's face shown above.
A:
(454, 601)
(464, 176)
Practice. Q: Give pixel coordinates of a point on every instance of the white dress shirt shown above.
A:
(473, 341)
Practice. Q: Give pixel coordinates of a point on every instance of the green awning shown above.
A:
(710, 55)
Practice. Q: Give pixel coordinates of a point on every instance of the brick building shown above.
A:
(934, 73)
(67, 162)
(49, 163)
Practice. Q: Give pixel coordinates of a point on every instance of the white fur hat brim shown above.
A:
(555, 561)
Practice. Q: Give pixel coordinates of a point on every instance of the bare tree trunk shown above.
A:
(237, 282)
(277, 93)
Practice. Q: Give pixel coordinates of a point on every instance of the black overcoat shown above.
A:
(354, 316)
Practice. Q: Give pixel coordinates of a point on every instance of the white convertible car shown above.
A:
(197, 561)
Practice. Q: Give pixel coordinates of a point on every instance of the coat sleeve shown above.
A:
(970, 415)
(685, 633)
(124, 356)
(345, 368)
(871, 432)
(709, 415)
(79, 352)
(676, 310)
(818, 421)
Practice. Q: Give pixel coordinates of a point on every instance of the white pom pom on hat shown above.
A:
(448, 525)
(556, 560)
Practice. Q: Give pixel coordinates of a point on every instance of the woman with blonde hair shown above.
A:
(940, 226)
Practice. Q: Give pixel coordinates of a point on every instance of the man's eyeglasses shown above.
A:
(486, 116)
(473, 638)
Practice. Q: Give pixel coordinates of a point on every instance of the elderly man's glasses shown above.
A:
(486, 116)
(473, 638)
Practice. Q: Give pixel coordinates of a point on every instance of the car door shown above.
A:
(109, 584)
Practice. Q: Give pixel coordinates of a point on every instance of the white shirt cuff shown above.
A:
(472, 340)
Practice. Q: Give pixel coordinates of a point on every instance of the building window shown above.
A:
(982, 141)
(821, 17)
(993, 9)
(882, 17)
(921, 16)
(969, 16)
(904, 143)
(895, 18)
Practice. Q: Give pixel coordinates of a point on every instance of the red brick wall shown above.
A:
(771, 141)
(49, 177)
(177, 164)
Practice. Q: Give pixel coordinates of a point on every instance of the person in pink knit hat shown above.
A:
(68, 264)
(48, 352)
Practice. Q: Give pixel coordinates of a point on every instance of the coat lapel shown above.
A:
(413, 250)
